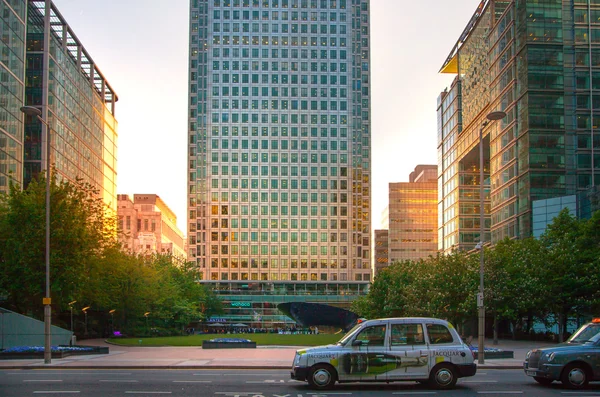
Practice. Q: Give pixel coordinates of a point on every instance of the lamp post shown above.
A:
(71, 307)
(493, 116)
(84, 310)
(37, 113)
(146, 315)
(112, 320)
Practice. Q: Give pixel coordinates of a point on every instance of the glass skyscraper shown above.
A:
(12, 90)
(279, 145)
(540, 63)
(75, 99)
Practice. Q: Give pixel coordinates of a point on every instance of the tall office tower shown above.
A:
(147, 225)
(12, 90)
(538, 63)
(381, 250)
(64, 82)
(412, 207)
(279, 140)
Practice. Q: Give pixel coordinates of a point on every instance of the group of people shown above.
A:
(253, 330)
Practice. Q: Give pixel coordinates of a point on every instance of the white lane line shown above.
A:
(501, 392)
(56, 391)
(192, 381)
(147, 392)
(42, 380)
(414, 393)
(118, 380)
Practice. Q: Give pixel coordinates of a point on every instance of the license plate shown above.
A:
(530, 373)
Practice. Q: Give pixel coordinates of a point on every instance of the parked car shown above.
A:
(426, 350)
(575, 363)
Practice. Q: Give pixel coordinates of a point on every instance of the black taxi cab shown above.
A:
(426, 350)
(575, 363)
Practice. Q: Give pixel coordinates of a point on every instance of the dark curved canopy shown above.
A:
(311, 314)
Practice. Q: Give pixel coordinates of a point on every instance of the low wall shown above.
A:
(228, 345)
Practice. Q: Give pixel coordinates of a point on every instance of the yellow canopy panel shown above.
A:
(451, 67)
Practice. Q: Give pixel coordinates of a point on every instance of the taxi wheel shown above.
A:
(322, 376)
(575, 376)
(443, 376)
(543, 381)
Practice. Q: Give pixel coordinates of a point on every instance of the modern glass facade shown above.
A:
(76, 101)
(280, 141)
(536, 61)
(413, 216)
(255, 303)
(12, 90)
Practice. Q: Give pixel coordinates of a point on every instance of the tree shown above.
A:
(79, 228)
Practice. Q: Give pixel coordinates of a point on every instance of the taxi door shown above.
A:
(409, 351)
(365, 357)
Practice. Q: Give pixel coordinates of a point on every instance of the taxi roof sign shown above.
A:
(596, 320)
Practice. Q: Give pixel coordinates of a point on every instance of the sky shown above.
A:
(141, 47)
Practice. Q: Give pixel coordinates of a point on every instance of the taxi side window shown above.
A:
(438, 333)
(407, 334)
(372, 336)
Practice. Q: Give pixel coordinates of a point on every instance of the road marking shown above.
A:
(54, 373)
(56, 392)
(414, 392)
(147, 392)
(42, 380)
(118, 380)
(500, 392)
(266, 381)
(192, 381)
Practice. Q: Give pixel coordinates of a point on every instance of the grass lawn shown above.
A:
(260, 339)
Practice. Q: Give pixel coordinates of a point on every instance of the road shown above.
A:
(254, 383)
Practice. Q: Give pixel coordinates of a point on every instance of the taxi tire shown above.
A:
(575, 369)
(443, 376)
(325, 370)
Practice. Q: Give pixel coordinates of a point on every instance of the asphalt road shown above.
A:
(254, 383)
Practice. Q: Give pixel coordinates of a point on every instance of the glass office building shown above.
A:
(12, 91)
(279, 140)
(538, 62)
(76, 101)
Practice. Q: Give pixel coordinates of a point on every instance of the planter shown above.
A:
(228, 345)
(55, 354)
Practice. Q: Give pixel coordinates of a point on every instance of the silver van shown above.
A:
(426, 350)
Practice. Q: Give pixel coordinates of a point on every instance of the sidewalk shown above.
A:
(267, 357)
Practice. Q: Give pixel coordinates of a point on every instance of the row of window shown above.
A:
(277, 28)
(275, 144)
(274, 210)
(285, 276)
(324, 4)
(256, 15)
(275, 131)
(330, 81)
(315, 224)
(324, 119)
(245, 263)
(284, 66)
(287, 105)
(277, 158)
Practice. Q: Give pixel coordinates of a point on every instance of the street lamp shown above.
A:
(37, 113)
(84, 310)
(112, 320)
(493, 116)
(71, 307)
(146, 315)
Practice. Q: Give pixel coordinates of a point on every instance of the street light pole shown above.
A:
(71, 307)
(84, 310)
(493, 116)
(112, 320)
(146, 315)
(35, 112)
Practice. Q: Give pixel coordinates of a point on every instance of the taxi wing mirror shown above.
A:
(357, 343)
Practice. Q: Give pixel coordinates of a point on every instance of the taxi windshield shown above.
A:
(589, 332)
(348, 335)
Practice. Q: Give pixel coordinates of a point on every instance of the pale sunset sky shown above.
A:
(141, 47)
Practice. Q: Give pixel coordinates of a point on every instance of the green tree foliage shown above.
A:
(87, 263)
(556, 276)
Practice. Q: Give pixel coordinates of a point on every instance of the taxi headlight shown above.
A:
(551, 357)
(296, 359)
(528, 354)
